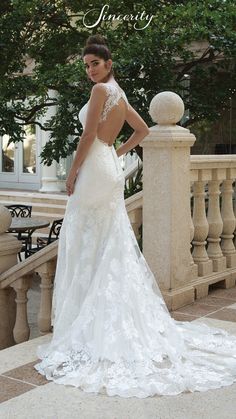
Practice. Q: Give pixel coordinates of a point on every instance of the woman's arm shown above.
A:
(96, 103)
(141, 130)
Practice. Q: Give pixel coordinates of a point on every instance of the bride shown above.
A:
(112, 331)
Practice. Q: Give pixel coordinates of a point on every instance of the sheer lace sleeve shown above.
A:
(114, 94)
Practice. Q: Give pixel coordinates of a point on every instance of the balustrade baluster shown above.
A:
(227, 213)
(194, 267)
(46, 272)
(21, 331)
(215, 223)
(135, 217)
(201, 228)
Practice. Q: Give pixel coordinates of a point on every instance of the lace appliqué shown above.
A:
(114, 95)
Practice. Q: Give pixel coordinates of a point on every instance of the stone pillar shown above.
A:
(50, 182)
(9, 247)
(166, 200)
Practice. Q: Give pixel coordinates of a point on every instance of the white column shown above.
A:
(49, 179)
(166, 200)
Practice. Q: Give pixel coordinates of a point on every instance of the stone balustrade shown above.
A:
(212, 183)
(15, 282)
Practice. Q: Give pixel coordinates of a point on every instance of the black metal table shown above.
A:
(26, 225)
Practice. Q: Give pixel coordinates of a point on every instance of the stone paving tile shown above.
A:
(65, 402)
(182, 317)
(224, 314)
(197, 309)
(225, 293)
(27, 373)
(215, 301)
(10, 388)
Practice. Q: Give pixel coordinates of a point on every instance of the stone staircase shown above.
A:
(49, 206)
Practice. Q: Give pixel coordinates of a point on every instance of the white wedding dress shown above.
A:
(112, 330)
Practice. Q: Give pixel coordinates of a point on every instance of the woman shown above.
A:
(112, 329)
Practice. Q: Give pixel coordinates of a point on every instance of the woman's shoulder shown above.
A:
(107, 91)
(110, 93)
(107, 86)
(99, 88)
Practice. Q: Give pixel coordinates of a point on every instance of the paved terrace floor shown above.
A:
(25, 394)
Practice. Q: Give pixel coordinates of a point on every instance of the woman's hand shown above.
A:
(70, 183)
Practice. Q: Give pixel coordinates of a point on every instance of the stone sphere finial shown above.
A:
(5, 219)
(166, 108)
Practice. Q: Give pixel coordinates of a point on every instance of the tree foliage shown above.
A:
(51, 34)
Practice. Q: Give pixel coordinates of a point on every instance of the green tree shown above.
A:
(51, 34)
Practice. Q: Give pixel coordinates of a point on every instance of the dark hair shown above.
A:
(96, 45)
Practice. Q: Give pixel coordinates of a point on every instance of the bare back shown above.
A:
(109, 129)
(104, 115)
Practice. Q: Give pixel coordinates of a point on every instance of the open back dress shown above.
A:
(112, 331)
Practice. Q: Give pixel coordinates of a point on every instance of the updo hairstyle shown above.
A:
(96, 45)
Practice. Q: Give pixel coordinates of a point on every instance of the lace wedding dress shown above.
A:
(112, 330)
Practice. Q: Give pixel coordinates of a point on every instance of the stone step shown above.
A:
(32, 197)
(44, 206)
(48, 206)
(39, 207)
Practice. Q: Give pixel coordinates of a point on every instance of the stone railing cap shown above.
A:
(166, 108)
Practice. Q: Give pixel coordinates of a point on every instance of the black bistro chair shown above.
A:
(20, 210)
(24, 211)
(45, 241)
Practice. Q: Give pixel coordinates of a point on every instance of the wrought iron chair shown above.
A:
(24, 211)
(20, 210)
(45, 241)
